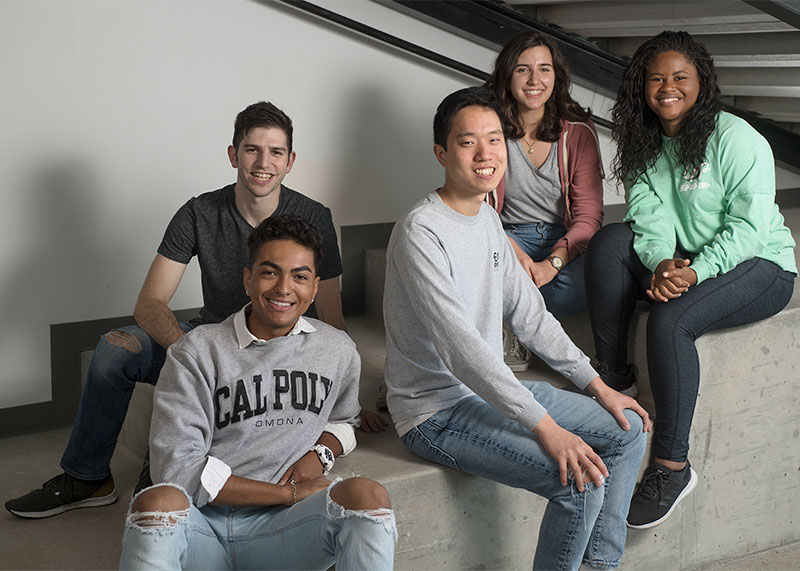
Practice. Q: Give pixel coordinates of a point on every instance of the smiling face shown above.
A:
(475, 158)
(281, 285)
(262, 160)
(671, 88)
(532, 79)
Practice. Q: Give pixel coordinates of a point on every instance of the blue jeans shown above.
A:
(110, 380)
(315, 533)
(565, 294)
(616, 278)
(577, 527)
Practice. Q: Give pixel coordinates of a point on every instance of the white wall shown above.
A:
(116, 112)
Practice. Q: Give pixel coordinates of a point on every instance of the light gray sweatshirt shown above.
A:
(251, 405)
(451, 281)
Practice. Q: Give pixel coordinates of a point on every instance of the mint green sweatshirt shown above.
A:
(722, 218)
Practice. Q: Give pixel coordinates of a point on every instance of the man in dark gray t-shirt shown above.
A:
(214, 227)
(211, 227)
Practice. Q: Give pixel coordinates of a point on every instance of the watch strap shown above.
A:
(325, 456)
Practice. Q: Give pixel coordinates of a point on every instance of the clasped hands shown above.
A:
(672, 278)
(307, 476)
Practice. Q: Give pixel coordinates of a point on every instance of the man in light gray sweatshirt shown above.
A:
(248, 417)
(451, 280)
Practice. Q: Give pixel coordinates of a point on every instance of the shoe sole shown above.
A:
(518, 367)
(87, 503)
(685, 492)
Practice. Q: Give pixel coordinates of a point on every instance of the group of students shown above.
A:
(252, 408)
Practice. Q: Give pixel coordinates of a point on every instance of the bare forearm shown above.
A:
(328, 303)
(239, 491)
(157, 319)
(329, 440)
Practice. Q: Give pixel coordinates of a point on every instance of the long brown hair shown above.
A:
(560, 105)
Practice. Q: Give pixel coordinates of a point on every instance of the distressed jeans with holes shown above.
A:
(110, 380)
(312, 534)
(577, 526)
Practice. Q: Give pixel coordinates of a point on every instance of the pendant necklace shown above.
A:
(530, 146)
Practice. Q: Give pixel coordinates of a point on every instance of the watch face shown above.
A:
(557, 262)
(328, 455)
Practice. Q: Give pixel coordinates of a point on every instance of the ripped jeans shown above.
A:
(315, 533)
(110, 380)
(576, 527)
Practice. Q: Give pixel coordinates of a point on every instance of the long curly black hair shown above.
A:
(560, 105)
(637, 129)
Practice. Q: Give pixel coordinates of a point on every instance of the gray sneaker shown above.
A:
(515, 354)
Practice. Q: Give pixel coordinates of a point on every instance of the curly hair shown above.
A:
(559, 105)
(637, 129)
(285, 227)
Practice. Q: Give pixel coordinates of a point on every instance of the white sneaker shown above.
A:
(515, 354)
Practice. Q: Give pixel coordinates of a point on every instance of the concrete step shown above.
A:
(745, 446)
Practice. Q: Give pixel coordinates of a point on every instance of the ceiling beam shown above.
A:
(495, 23)
(730, 44)
(783, 109)
(784, 10)
(759, 60)
(626, 18)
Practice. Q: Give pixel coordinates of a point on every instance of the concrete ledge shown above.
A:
(745, 446)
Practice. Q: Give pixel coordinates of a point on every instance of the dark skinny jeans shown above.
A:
(616, 278)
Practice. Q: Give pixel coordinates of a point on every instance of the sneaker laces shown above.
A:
(56, 485)
(519, 350)
(652, 486)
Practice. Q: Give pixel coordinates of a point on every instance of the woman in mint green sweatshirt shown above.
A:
(702, 240)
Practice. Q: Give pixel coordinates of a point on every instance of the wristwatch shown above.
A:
(556, 262)
(325, 456)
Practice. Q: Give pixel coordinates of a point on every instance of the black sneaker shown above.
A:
(658, 493)
(622, 381)
(61, 494)
(380, 400)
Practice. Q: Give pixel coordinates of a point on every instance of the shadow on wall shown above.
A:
(383, 156)
(51, 275)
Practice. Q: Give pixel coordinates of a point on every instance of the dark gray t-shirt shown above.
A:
(210, 227)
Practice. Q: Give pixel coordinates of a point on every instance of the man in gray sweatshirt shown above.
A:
(451, 280)
(248, 417)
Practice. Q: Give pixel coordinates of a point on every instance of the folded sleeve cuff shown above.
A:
(344, 433)
(212, 479)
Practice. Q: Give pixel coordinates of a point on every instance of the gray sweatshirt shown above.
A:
(451, 281)
(257, 406)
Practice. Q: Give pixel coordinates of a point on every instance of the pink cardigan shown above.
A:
(581, 171)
